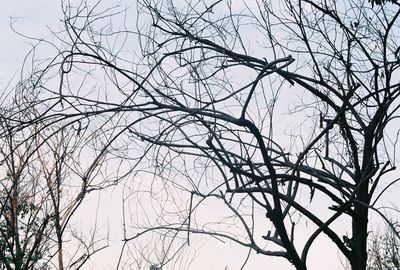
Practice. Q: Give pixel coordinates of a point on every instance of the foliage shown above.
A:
(384, 251)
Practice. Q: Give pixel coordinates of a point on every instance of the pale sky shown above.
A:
(31, 18)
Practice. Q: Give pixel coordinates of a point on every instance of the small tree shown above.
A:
(384, 249)
(37, 200)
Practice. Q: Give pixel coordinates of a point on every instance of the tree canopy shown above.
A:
(285, 114)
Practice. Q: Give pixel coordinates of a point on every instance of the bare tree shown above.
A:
(384, 249)
(37, 196)
(200, 108)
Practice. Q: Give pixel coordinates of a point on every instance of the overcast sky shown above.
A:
(30, 18)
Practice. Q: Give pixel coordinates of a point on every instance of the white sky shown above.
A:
(32, 18)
